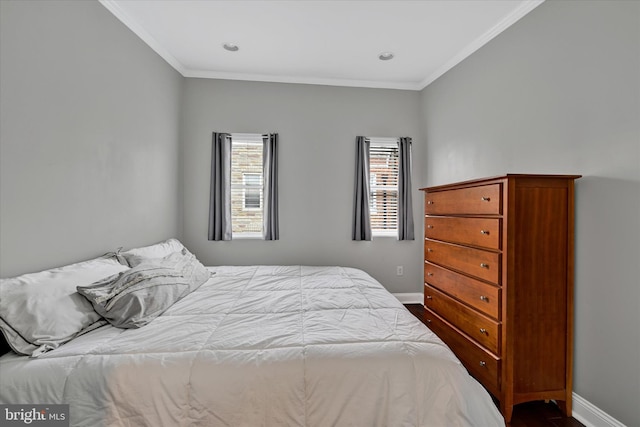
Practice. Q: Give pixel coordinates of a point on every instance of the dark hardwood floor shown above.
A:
(530, 414)
(540, 414)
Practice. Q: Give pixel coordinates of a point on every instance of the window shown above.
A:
(373, 205)
(252, 184)
(246, 185)
(383, 179)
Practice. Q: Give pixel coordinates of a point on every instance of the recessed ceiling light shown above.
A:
(231, 47)
(385, 56)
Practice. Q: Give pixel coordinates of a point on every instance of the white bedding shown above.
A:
(261, 346)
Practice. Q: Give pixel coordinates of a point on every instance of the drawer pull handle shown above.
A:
(486, 199)
(429, 250)
(429, 202)
(483, 265)
(484, 298)
(483, 331)
(429, 297)
(485, 232)
(428, 320)
(429, 274)
(483, 363)
(429, 226)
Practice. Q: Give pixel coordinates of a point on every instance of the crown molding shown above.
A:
(133, 25)
(137, 29)
(414, 86)
(509, 20)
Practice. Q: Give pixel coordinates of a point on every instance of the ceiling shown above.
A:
(319, 42)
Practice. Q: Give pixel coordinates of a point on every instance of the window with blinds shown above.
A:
(383, 180)
(246, 185)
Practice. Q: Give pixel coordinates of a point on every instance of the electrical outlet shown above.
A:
(399, 270)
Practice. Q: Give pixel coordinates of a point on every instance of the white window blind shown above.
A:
(383, 175)
(246, 184)
(252, 183)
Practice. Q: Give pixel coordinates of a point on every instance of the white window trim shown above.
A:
(248, 139)
(385, 233)
(247, 235)
(252, 138)
(383, 142)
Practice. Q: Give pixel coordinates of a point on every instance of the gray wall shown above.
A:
(90, 158)
(317, 127)
(559, 92)
(88, 136)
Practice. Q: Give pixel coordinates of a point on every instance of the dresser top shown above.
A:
(499, 178)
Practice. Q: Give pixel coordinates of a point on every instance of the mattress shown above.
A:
(261, 346)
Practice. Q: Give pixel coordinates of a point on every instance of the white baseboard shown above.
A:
(590, 415)
(410, 298)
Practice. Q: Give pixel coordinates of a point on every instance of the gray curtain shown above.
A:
(405, 204)
(361, 229)
(271, 230)
(220, 191)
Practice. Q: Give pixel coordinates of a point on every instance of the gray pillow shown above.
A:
(135, 256)
(135, 297)
(41, 311)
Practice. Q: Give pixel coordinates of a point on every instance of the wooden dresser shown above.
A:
(498, 282)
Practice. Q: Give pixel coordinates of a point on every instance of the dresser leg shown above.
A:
(507, 412)
(565, 406)
(506, 408)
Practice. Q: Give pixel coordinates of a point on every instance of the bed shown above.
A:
(259, 346)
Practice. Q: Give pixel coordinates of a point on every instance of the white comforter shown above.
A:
(261, 346)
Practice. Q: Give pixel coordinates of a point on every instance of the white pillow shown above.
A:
(41, 311)
(159, 250)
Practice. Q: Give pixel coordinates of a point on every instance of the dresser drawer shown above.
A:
(477, 294)
(483, 200)
(484, 232)
(479, 362)
(484, 330)
(474, 262)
